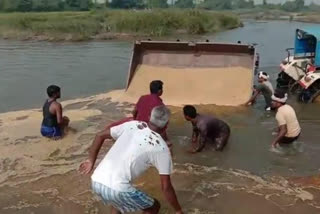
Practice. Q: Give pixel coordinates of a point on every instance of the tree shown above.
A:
(73, 3)
(243, 4)
(126, 4)
(216, 4)
(10, 5)
(293, 6)
(299, 4)
(24, 5)
(264, 3)
(157, 4)
(47, 5)
(184, 4)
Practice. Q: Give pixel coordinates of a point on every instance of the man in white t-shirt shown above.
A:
(288, 126)
(138, 147)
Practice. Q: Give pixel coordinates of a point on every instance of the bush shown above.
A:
(148, 22)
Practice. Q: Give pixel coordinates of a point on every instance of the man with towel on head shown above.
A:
(288, 126)
(265, 88)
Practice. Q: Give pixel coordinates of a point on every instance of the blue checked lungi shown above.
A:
(51, 132)
(123, 201)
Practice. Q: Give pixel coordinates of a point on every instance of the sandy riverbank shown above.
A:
(39, 175)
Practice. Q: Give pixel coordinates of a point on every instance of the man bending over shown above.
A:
(206, 128)
(138, 146)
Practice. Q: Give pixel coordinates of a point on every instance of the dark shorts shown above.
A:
(288, 140)
(51, 132)
(221, 140)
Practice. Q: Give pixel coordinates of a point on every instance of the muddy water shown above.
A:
(39, 176)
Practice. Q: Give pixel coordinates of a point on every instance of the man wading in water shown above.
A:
(53, 123)
(288, 126)
(138, 146)
(264, 87)
(144, 106)
(206, 128)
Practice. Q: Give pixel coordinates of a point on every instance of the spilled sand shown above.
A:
(40, 175)
(192, 85)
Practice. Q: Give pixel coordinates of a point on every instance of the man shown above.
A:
(288, 126)
(53, 123)
(138, 146)
(264, 87)
(147, 102)
(144, 106)
(206, 128)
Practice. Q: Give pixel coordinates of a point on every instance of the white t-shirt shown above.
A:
(136, 149)
(287, 116)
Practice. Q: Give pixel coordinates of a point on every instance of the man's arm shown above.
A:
(201, 142)
(194, 140)
(135, 112)
(58, 110)
(87, 166)
(253, 97)
(282, 132)
(169, 193)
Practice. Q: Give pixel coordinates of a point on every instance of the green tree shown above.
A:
(184, 4)
(216, 4)
(73, 3)
(293, 6)
(243, 4)
(24, 5)
(47, 5)
(300, 4)
(126, 4)
(264, 3)
(157, 4)
(10, 5)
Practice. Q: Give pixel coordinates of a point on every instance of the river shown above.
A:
(246, 174)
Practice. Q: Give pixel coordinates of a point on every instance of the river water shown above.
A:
(84, 69)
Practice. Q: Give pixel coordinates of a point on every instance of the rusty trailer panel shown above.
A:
(190, 54)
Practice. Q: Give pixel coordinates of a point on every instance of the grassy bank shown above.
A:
(111, 24)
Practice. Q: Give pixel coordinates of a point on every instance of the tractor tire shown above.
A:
(295, 88)
(314, 96)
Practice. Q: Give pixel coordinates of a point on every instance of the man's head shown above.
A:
(54, 91)
(262, 76)
(160, 116)
(279, 98)
(156, 87)
(189, 112)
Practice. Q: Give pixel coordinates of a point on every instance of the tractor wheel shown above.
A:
(314, 97)
(315, 91)
(295, 88)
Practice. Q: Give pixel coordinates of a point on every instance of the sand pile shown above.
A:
(229, 86)
(26, 155)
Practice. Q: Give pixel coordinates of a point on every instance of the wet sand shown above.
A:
(40, 175)
(195, 85)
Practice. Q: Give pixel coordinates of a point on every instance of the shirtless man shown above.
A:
(206, 128)
(53, 123)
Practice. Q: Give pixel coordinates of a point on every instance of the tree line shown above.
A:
(44, 5)
(83, 5)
